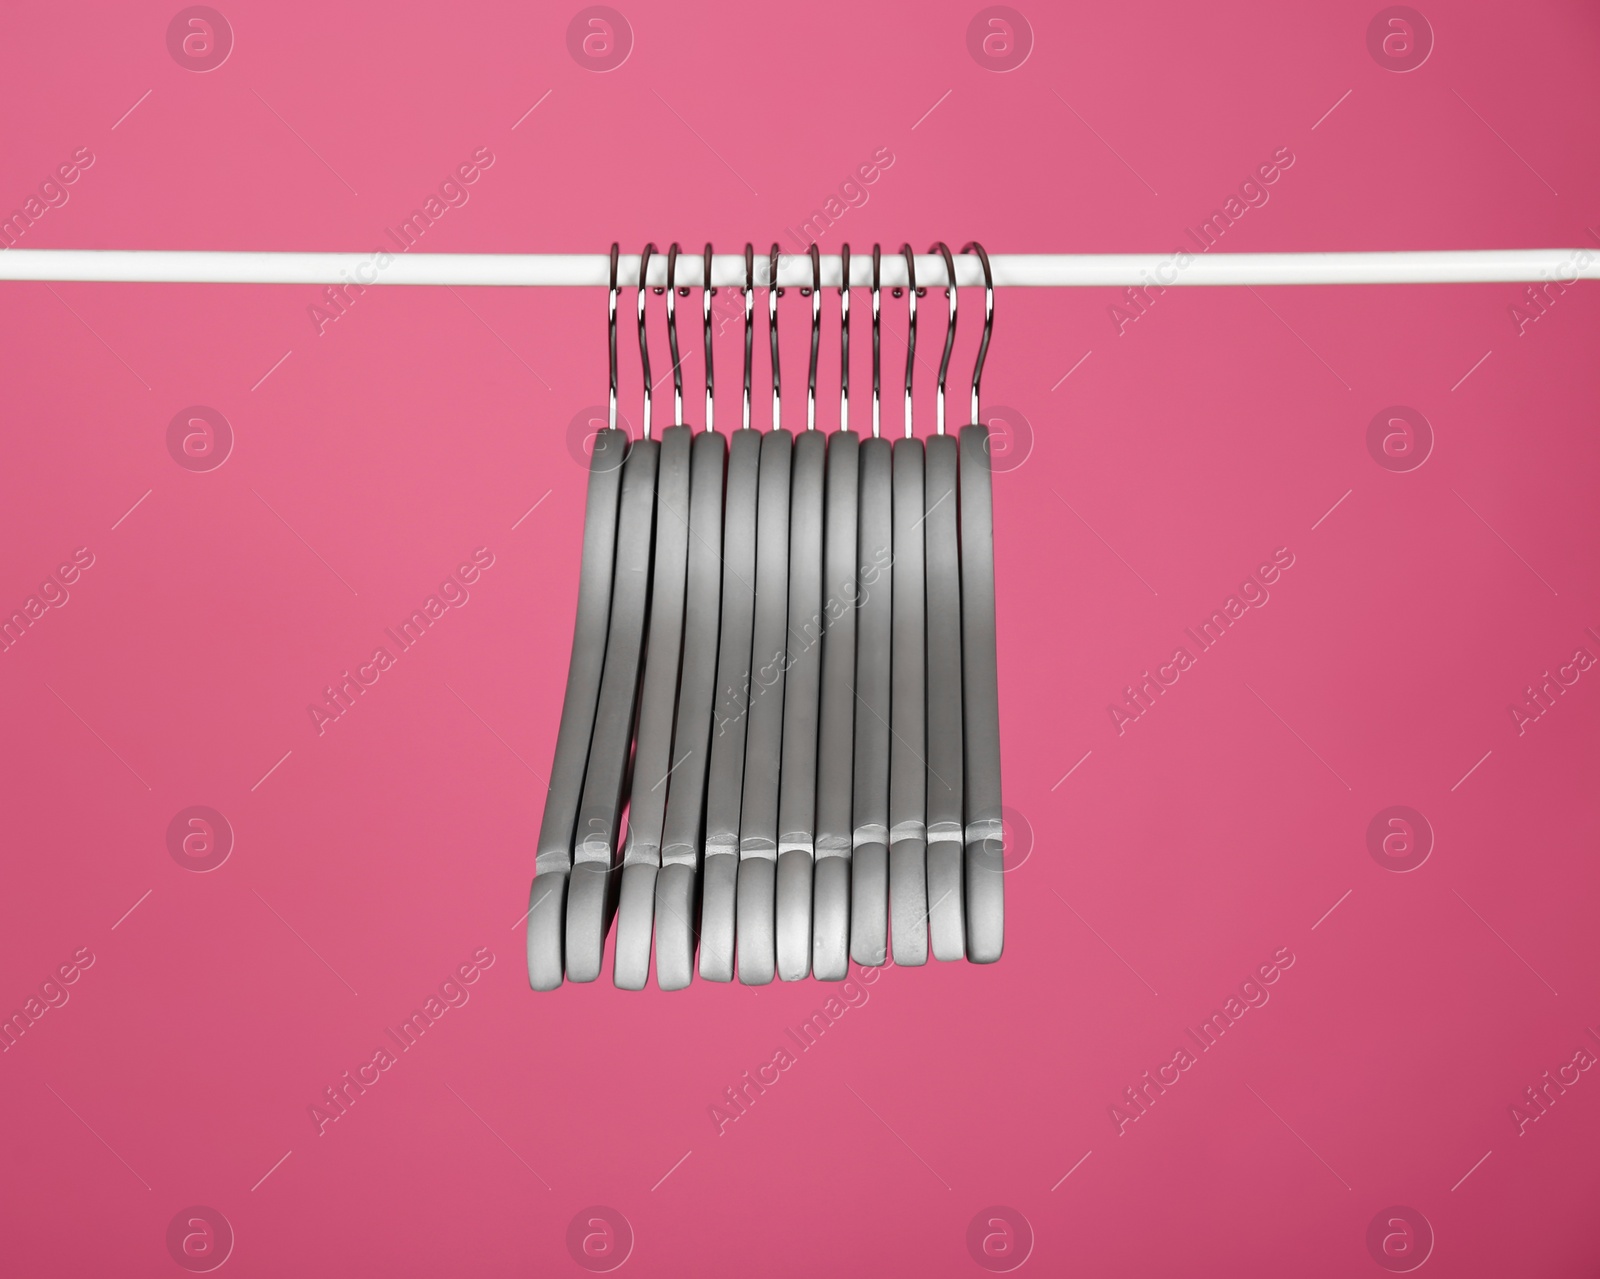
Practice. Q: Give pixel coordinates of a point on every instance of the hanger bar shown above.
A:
(1024, 270)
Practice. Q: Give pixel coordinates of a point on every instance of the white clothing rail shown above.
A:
(1025, 270)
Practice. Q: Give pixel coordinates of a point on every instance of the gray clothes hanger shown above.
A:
(755, 923)
(797, 799)
(908, 761)
(590, 890)
(547, 898)
(946, 917)
(652, 760)
(725, 786)
(830, 918)
(677, 885)
(869, 858)
(985, 904)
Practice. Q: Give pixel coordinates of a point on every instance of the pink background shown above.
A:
(373, 859)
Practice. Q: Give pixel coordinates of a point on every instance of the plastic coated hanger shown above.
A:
(869, 857)
(830, 916)
(797, 800)
(908, 762)
(547, 898)
(985, 831)
(724, 787)
(691, 748)
(652, 761)
(590, 895)
(946, 917)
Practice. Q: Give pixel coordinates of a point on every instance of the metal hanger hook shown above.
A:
(877, 340)
(749, 323)
(911, 326)
(706, 294)
(950, 332)
(844, 339)
(611, 327)
(644, 341)
(816, 337)
(672, 333)
(973, 246)
(773, 294)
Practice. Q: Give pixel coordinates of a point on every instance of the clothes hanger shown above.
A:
(691, 748)
(797, 798)
(874, 574)
(547, 899)
(946, 918)
(830, 917)
(590, 895)
(658, 698)
(724, 788)
(985, 840)
(763, 755)
(908, 761)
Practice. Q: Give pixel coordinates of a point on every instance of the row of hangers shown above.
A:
(783, 670)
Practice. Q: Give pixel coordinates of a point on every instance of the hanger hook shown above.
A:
(611, 326)
(988, 322)
(749, 323)
(773, 294)
(844, 338)
(706, 294)
(644, 341)
(911, 327)
(816, 337)
(672, 333)
(877, 345)
(950, 332)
